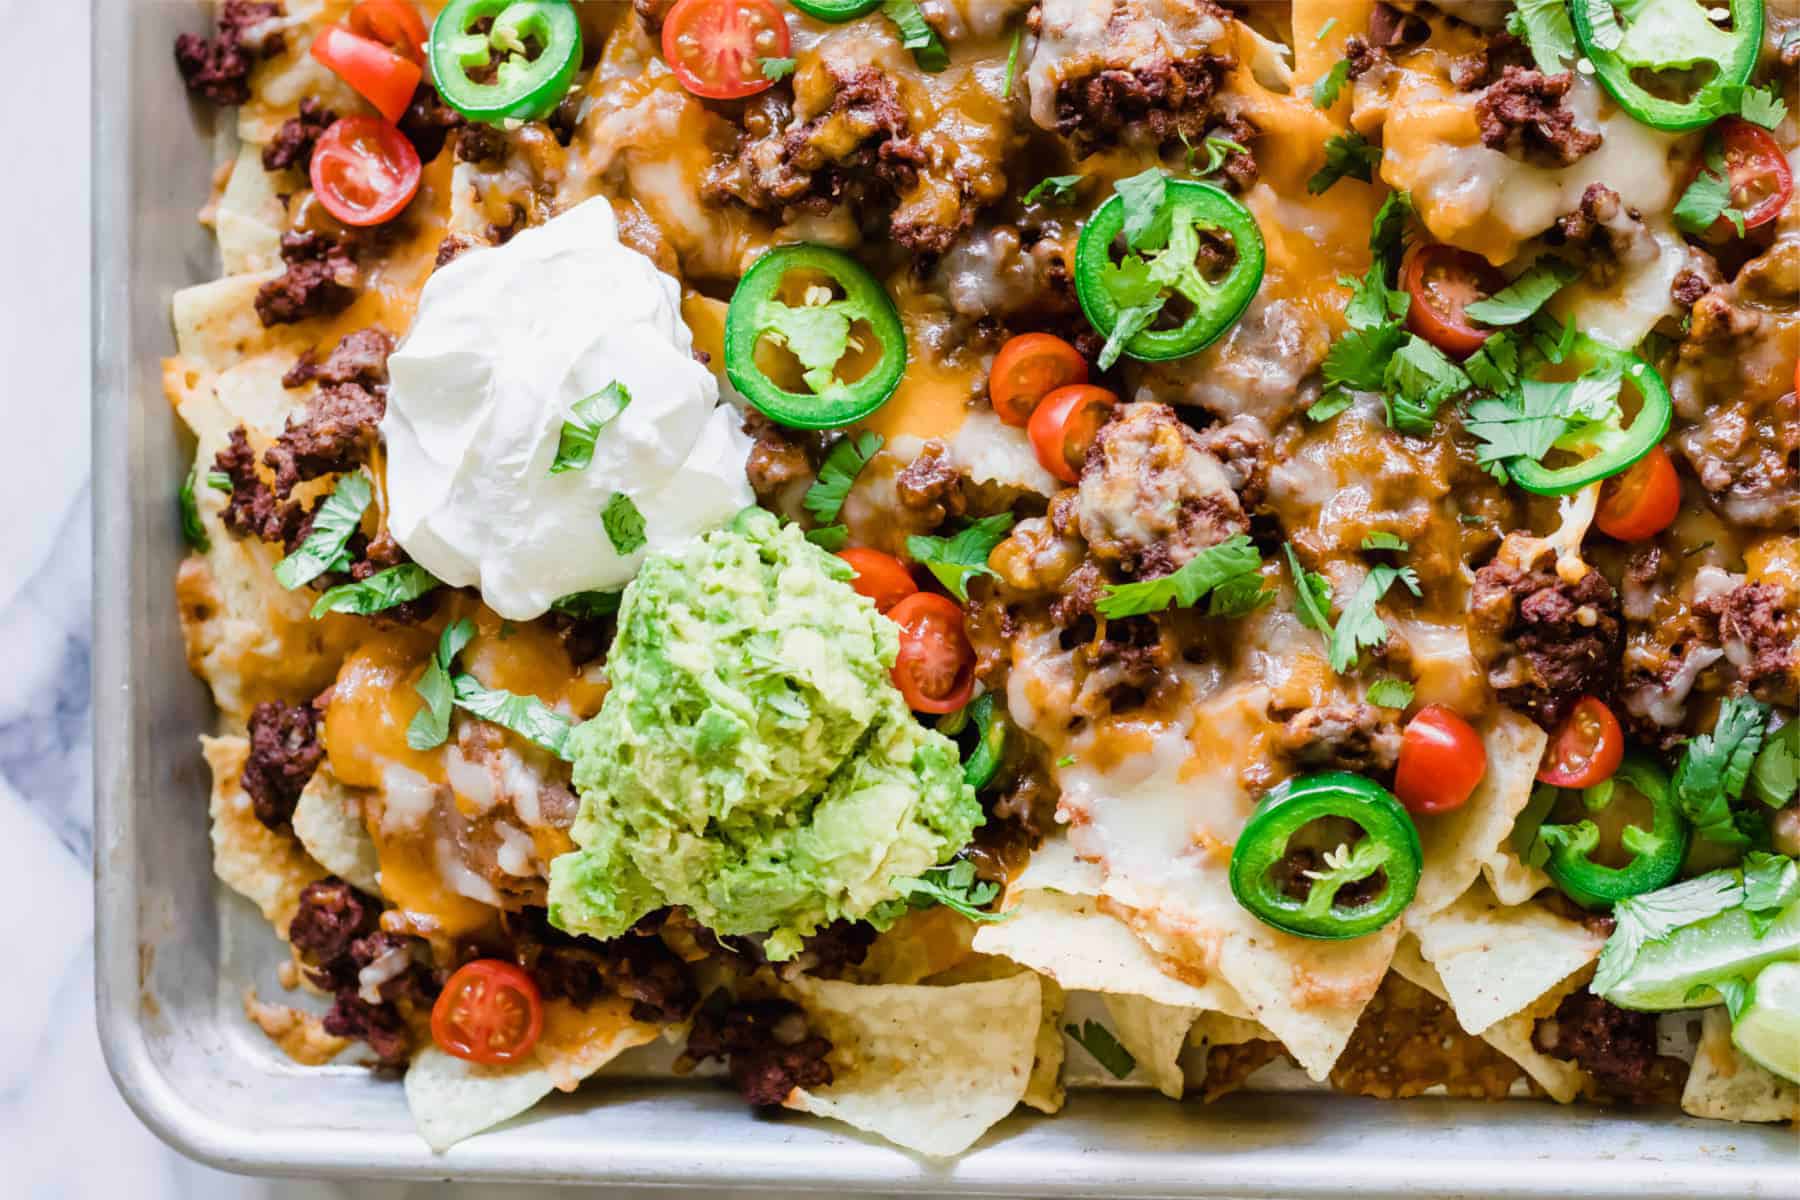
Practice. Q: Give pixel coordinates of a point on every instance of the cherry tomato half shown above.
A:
(1761, 181)
(1028, 368)
(1640, 502)
(489, 1012)
(1441, 761)
(1063, 425)
(716, 47)
(935, 669)
(396, 24)
(881, 577)
(364, 171)
(1443, 281)
(1585, 749)
(385, 79)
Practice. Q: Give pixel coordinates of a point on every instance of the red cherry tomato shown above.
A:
(1585, 749)
(1761, 181)
(1063, 425)
(1442, 281)
(935, 669)
(1441, 761)
(1640, 502)
(489, 1012)
(881, 577)
(716, 47)
(385, 79)
(396, 24)
(364, 171)
(1028, 368)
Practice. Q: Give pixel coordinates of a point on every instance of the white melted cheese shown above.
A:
(508, 339)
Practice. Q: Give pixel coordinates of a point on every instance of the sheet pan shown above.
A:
(175, 951)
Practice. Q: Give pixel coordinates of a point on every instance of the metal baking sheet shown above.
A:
(174, 949)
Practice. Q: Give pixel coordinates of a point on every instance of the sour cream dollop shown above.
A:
(506, 340)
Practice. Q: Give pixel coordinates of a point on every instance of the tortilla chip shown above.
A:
(1723, 1085)
(278, 86)
(216, 324)
(922, 943)
(1154, 1034)
(452, 1099)
(1512, 880)
(928, 1068)
(267, 868)
(1495, 960)
(1458, 842)
(328, 821)
(1563, 1080)
(1057, 928)
(250, 216)
(1045, 1092)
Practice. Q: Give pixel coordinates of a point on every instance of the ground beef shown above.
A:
(428, 122)
(1345, 737)
(1228, 1068)
(252, 510)
(646, 972)
(1152, 495)
(1545, 641)
(931, 484)
(1524, 113)
(831, 951)
(1407, 1040)
(359, 357)
(380, 1025)
(637, 966)
(378, 554)
(766, 1044)
(1759, 631)
(1688, 287)
(292, 145)
(1615, 1046)
(284, 753)
(1716, 319)
(480, 143)
(1745, 451)
(1160, 101)
(320, 280)
(331, 918)
(1502, 50)
(779, 456)
(335, 433)
(218, 68)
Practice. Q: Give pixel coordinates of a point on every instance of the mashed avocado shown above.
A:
(753, 762)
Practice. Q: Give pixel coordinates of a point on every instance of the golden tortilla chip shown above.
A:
(250, 216)
(1723, 1085)
(267, 868)
(216, 325)
(1155, 1035)
(1511, 1036)
(328, 820)
(1457, 843)
(928, 1068)
(1495, 960)
(922, 943)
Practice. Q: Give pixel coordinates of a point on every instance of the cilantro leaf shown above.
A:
(843, 463)
(1202, 573)
(333, 525)
(1656, 916)
(1708, 197)
(1775, 777)
(956, 560)
(1538, 415)
(1326, 28)
(1524, 295)
(776, 68)
(1218, 149)
(1524, 840)
(624, 525)
(1759, 106)
(1312, 593)
(1346, 154)
(1099, 1042)
(1372, 302)
(219, 481)
(526, 716)
(917, 35)
(1359, 627)
(1327, 87)
(1334, 401)
(192, 531)
(1239, 596)
(1358, 360)
(1012, 65)
(1771, 883)
(816, 334)
(1418, 378)
(830, 538)
(1132, 321)
(1387, 235)
(380, 591)
(1715, 768)
(1495, 366)
(1145, 197)
(1381, 539)
(1547, 30)
(954, 886)
(1390, 693)
(588, 606)
(1055, 189)
(431, 724)
(581, 428)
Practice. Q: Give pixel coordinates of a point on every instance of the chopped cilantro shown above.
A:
(526, 716)
(1546, 29)
(1381, 539)
(1145, 196)
(1099, 1042)
(1346, 154)
(1012, 64)
(431, 724)
(1327, 27)
(829, 537)
(1185, 586)
(1417, 380)
(334, 524)
(1327, 87)
(917, 35)
(954, 886)
(1518, 300)
(1218, 149)
(1359, 627)
(1759, 106)
(624, 525)
(1054, 189)
(1312, 594)
(1775, 777)
(1329, 405)
(1715, 768)
(581, 428)
(956, 560)
(1387, 235)
(816, 334)
(1390, 693)
(380, 591)
(1238, 596)
(1708, 197)
(843, 463)
(588, 606)
(189, 511)
(776, 68)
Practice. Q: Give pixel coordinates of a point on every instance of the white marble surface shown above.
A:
(64, 1132)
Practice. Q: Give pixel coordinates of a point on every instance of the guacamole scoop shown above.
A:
(753, 762)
